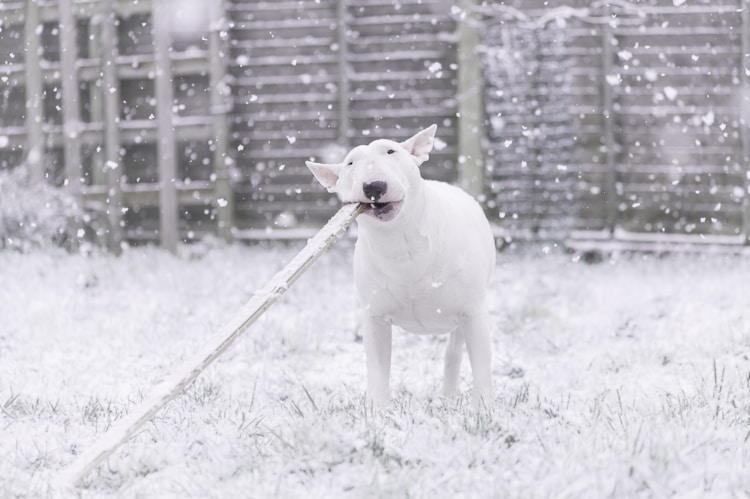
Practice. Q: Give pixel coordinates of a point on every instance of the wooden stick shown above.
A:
(176, 383)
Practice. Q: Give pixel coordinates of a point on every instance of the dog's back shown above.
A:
(465, 226)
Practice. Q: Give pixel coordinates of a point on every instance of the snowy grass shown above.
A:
(628, 378)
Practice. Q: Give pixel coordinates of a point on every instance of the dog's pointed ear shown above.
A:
(327, 174)
(421, 144)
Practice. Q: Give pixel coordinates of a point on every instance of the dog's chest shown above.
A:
(422, 278)
(426, 304)
(427, 309)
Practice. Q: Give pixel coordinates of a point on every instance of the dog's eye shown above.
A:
(350, 163)
(391, 151)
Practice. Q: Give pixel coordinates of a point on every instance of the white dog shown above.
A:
(422, 261)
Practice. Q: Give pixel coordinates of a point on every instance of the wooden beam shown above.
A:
(89, 135)
(34, 150)
(745, 117)
(221, 106)
(166, 144)
(470, 101)
(610, 188)
(110, 93)
(344, 95)
(70, 99)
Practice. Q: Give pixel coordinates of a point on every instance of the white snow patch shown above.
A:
(627, 374)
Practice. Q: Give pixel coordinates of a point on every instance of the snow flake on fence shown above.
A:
(670, 93)
(435, 68)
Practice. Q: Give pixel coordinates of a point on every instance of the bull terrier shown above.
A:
(422, 260)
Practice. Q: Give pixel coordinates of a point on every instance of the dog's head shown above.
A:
(380, 175)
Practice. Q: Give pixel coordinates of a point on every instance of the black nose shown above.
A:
(374, 190)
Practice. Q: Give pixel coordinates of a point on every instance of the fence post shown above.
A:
(343, 68)
(470, 102)
(96, 97)
(166, 150)
(70, 98)
(745, 118)
(609, 137)
(111, 120)
(220, 108)
(34, 149)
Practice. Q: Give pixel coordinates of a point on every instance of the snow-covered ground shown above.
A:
(625, 378)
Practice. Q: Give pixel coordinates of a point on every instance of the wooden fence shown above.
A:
(170, 128)
(171, 119)
(623, 122)
(117, 114)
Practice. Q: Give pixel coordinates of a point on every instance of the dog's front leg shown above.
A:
(453, 354)
(476, 332)
(376, 334)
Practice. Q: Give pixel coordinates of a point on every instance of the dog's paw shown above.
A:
(377, 403)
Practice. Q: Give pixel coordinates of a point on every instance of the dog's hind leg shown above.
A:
(376, 335)
(476, 332)
(453, 354)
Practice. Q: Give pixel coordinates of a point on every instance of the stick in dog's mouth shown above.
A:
(382, 211)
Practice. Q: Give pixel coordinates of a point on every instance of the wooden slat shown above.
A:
(166, 143)
(744, 132)
(110, 94)
(221, 102)
(70, 97)
(34, 148)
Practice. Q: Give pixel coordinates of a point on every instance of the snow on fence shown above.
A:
(620, 121)
(600, 121)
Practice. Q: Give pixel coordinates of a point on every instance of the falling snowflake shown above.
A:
(614, 79)
(625, 55)
(435, 68)
(670, 93)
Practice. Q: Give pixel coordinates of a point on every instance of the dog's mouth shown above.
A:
(383, 211)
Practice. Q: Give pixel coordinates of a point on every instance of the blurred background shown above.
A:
(584, 123)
